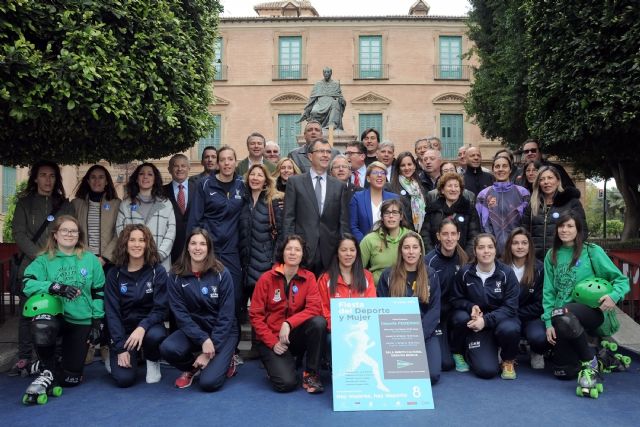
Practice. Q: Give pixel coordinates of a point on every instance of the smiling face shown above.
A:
(474, 157)
(320, 157)
(67, 235)
(45, 180)
(451, 190)
(485, 251)
(377, 177)
(256, 179)
(179, 170)
(292, 254)
(501, 169)
(312, 132)
(272, 152)
(531, 172)
(531, 151)
(197, 248)
(97, 180)
(520, 246)
(548, 183)
(136, 245)
(210, 160)
(385, 155)
(226, 163)
(146, 178)
(255, 145)
(567, 232)
(421, 147)
(411, 252)
(407, 167)
(370, 141)
(340, 169)
(448, 236)
(347, 253)
(286, 169)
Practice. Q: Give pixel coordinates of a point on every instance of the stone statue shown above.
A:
(326, 103)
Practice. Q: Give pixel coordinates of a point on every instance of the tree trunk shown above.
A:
(627, 176)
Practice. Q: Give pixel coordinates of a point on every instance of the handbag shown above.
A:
(272, 223)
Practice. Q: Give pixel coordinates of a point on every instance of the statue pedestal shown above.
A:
(340, 139)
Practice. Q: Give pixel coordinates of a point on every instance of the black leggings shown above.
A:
(570, 351)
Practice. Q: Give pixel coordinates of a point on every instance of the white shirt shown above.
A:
(519, 271)
(323, 184)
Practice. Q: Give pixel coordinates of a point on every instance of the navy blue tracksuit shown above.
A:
(133, 299)
(430, 314)
(530, 310)
(446, 269)
(204, 307)
(497, 297)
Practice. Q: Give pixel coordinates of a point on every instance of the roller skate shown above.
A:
(609, 360)
(41, 388)
(589, 381)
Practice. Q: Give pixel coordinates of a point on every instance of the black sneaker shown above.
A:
(311, 382)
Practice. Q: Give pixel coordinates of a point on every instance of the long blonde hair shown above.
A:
(398, 282)
(269, 190)
(52, 245)
(536, 200)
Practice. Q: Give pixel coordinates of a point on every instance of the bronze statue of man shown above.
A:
(326, 103)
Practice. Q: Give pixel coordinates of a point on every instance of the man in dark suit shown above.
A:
(255, 147)
(315, 207)
(180, 192)
(312, 132)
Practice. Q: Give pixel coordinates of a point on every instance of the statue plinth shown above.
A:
(340, 139)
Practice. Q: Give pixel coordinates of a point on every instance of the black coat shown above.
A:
(543, 226)
(476, 180)
(462, 212)
(257, 245)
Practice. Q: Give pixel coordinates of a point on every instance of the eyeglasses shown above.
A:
(67, 232)
(328, 152)
(378, 173)
(340, 167)
(530, 150)
(272, 151)
(391, 213)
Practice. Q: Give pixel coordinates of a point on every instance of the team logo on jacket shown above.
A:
(294, 289)
(123, 288)
(474, 344)
(83, 272)
(148, 288)
(214, 292)
(204, 290)
(498, 287)
(276, 296)
(237, 196)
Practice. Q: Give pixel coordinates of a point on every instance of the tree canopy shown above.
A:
(580, 80)
(109, 79)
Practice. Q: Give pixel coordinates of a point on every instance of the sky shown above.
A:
(356, 7)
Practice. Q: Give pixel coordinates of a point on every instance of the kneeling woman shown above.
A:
(410, 277)
(74, 275)
(201, 297)
(485, 316)
(286, 314)
(569, 262)
(136, 305)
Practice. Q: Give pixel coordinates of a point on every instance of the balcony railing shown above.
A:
(370, 71)
(220, 72)
(451, 72)
(290, 72)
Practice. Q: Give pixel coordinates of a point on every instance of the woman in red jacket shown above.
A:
(286, 314)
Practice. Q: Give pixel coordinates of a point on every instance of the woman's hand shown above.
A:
(208, 349)
(476, 324)
(475, 312)
(201, 361)
(280, 349)
(134, 342)
(285, 329)
(551, 335)
(124, 360)
(606, 303)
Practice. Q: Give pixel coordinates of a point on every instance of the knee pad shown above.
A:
(71, 379)
(45, 329)
(565, 372)
(567, 325)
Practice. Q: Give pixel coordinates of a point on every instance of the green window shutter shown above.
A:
(450, 57)
(451, 134)
(288, 130)
(367, 121)
(214, 138)
(217, 59)
(290, 57)
(8, 186)
(370, 57)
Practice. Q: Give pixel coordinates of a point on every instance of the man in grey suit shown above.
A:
(312, 132)
(180, 199)
(315, 207)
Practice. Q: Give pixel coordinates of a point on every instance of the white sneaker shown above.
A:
(153, 372)
(537, 361)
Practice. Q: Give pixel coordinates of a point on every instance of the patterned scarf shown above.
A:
(417, 201)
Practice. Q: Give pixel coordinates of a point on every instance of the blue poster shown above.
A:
(378, 355)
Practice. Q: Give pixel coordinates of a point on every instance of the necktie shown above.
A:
(181, 202)
(319, 192)
(356, 178)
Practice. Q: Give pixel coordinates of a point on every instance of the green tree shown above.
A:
(7, 226)
(110, 79)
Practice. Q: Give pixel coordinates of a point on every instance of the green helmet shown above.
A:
(42, 304)
(589, 291)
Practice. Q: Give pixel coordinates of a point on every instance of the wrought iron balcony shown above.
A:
(451, 72)
(290, 72)
(370, 71)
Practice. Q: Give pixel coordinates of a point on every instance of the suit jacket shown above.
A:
(360, 214)
(301, 216)
(243, 166)
(181, 220)
(300, 157)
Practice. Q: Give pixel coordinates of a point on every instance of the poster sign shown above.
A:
(378, 355)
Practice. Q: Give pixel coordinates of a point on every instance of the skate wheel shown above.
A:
(25, 399)
(600, 387)
(579, 391)
(42, 399)
(56, 391)
(593, 393)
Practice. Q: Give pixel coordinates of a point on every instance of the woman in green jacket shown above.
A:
(379, 248)
(74, 275)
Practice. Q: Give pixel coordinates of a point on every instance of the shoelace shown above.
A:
(44, 379)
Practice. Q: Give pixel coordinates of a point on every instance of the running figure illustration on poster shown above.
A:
(359, 341)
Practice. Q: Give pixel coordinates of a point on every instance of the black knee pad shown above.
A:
(565, 372)
(45, 329)
(567, 325)
(71, 379)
